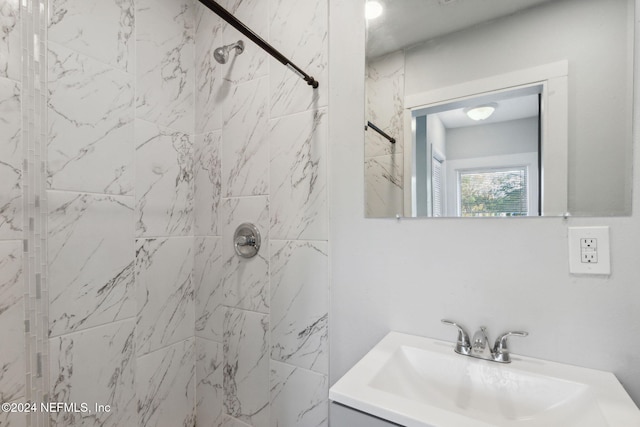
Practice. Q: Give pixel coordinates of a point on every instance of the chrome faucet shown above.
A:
(479, 347)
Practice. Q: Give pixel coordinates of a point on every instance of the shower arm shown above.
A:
(381, 132)
(224, 14)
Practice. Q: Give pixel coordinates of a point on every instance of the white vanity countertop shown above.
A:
(422, 382)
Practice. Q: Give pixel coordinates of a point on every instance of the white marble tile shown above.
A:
(300, 304)
(253, 63)
(164, 181)
(95, 367)
(164, 292)
(207, 184)
(246, 280)
(385, 103)
(10, 160)
(383, 180)
(10, 40)
(298, 29)
(298, 174)
(102, 29)
(232, 422)
(209, 390)
(245, 150)
(210, 90)
(8, 419)
(91, 112)
(208, 286)
(246, 366)
(165, 385)
(165, 63)
(12, 372)
(91, 254)
(298, 397)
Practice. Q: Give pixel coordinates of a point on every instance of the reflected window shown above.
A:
(491, 193)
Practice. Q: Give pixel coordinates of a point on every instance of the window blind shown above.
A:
(437, 186)
(494, 192)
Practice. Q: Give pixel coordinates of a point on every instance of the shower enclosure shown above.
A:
(128, 157)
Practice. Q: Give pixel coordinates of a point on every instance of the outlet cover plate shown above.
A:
(589, 250)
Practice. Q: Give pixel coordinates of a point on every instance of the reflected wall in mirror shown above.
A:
(559, 75)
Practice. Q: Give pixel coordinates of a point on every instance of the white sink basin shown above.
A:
(415, 381)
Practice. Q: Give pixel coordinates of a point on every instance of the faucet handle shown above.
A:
(463, 346)
(500, 349)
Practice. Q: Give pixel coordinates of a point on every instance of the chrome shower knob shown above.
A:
(246, 240)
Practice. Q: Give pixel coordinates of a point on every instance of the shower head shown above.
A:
(221, 54)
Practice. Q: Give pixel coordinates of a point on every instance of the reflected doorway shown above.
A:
(479, 157)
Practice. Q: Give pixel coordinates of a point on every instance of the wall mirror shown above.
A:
(499, 108)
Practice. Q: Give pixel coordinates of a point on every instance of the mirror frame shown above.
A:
(554, 132)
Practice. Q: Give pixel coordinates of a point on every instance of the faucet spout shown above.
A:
(481, 347)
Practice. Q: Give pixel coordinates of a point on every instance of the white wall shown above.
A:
(512, 137)
(437, 133)
(505, 274)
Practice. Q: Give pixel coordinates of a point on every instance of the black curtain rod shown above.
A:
(220, 11)
(381, 132)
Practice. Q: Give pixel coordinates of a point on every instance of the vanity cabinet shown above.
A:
(343, 416)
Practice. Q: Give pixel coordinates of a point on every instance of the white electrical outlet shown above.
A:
(589, 250)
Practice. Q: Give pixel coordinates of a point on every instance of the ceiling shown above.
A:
(508, 109)
(406, 22)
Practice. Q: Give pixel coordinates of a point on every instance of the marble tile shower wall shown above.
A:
(120, 187)
(13, 357)
(384, 162)
(155, 153)
(260, 157)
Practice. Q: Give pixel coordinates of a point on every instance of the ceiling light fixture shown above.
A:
(372, 9)
(481, 112)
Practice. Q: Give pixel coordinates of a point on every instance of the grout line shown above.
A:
(91, 193)
(300, 367)
(114, 322)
